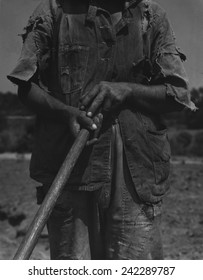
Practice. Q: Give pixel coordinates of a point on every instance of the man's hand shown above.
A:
(49, 107)
(105, 95)
(78, 119)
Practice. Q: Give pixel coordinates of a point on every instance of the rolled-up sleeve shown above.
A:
(36, 48)
(167, 62)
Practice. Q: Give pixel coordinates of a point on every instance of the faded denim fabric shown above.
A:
(68, 54)
(110, 223)
(82, 228)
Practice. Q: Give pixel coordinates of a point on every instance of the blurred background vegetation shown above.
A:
(17, 126)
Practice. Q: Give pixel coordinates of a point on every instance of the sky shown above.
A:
(186, 17)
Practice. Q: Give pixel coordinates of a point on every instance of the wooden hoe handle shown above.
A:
(28, 244)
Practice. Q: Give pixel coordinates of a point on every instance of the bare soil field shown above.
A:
(182, 225)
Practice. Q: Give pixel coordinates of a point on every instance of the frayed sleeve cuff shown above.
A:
(181, 95)
(24, 71)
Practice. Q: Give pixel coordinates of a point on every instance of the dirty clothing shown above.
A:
(110, 223)
(70, 53)
(67, 55)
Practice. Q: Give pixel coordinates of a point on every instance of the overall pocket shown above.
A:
(73, 68)
(161, 152)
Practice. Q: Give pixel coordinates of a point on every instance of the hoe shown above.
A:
(28, 244)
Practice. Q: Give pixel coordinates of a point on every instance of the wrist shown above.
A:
(68, 112)
(129, 92)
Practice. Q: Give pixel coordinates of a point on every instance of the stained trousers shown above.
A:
(107, 224)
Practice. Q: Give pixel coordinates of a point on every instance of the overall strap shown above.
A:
(55, 46)
(58, 16)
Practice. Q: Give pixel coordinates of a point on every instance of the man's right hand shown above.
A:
(78, 119)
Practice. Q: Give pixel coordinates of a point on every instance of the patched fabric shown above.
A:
(67, 54)
(167, 63)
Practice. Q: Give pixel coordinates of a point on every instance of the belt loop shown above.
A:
(92, 11)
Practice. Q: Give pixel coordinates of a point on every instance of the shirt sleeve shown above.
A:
(35, 53)
(167, 60)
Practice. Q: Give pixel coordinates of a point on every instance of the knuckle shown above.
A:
(95, 119)
(89, 122)
(82, 114)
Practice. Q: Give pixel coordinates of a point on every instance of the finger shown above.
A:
(98, 121)
(107, 105)
(92, 142)
(87, 98)
(82, 108)
(96, 104)
(96, 133)
(86, 122)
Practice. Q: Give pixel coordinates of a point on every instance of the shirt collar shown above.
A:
(92, 11)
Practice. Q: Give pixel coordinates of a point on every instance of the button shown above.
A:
(105, 59)
(103, 26)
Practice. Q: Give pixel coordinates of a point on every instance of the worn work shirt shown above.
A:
(69, 54)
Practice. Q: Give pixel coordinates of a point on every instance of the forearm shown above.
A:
(42, 103)
(152, 98)
(109, 95)
(49, 107)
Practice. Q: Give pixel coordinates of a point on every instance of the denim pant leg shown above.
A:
(68, 227)
(74, 226)
(111, 223)
(133, 228)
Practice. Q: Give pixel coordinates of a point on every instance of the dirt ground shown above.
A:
(182, 225)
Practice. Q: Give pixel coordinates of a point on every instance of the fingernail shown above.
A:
(89, 114)
(94, 126)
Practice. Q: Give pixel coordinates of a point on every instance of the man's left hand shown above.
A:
(105, 96)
